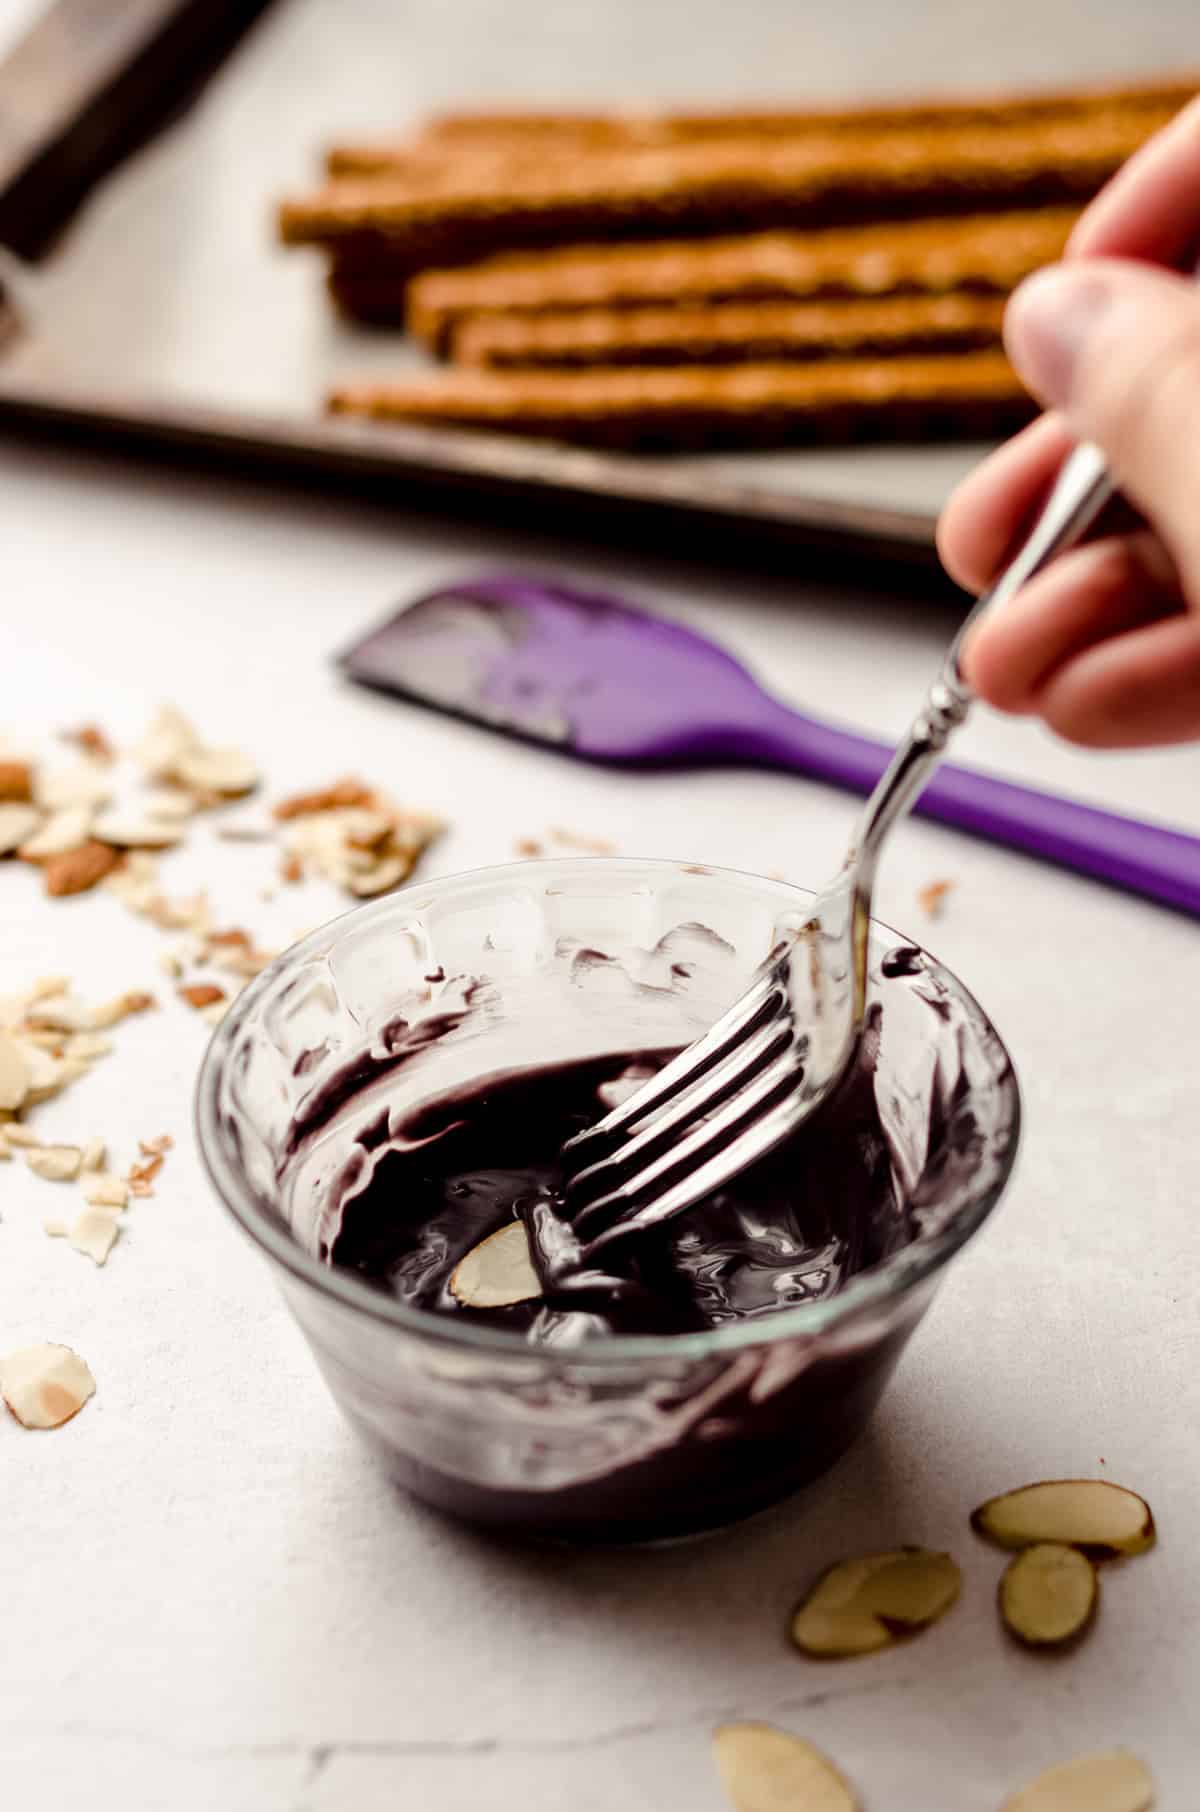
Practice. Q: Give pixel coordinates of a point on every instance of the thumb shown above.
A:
(1116, 347)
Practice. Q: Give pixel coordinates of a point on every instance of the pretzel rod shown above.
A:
(692, 407)
(730, 333)
(403, 226)
(489, 133)
(987, 253)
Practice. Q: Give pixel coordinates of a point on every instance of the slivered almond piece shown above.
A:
(16, 782)
(55, 1163)
(17, 825)
(61, 831)
(14, 1073)
(54, 1226)
(1048, 1594)
(931, 897)
(95, 1232)
(47, 1074)
(90, 738)
(44, 1386)
(497, 1272)
(763, 1769)
(79, 870)
(157, 1148)
(865, 1604)
(228, 772)
(1113, 1781)
(105, 1191)
(1101, 1518)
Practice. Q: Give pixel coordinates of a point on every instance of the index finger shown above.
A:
(1151, 208)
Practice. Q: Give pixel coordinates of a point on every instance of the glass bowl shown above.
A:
(624, 1439)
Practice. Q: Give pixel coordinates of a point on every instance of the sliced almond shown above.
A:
(1048, 1594)
(167, 739)
(95, 1232)
(47, 1074)
(1101, 1518)
(87, 783)
(124, 1006)
(1114, 1781)
(22, 1137)
(17, 825)
(228, 772)
(133, 830)
(14, 1073)
(54, 1226)
(201, 994)
(60, 832)
(172, 802)
(60, 1013)
(105, 1191)
(16, 782)
(44, 1386)
(763, 1769)
(94, 1153)
(343, 793)
(861, 1605)
(497, 1272)
(55, 1163)
(88, 1046)
(79, 870)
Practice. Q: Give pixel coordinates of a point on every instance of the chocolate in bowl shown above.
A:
(697, 1409)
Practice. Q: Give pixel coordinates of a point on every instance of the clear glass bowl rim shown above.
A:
(883, 1285)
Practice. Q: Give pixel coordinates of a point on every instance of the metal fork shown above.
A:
(786, 1044)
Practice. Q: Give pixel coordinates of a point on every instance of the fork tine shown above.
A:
(685, 1162)
(699, 1099)
(763, 998)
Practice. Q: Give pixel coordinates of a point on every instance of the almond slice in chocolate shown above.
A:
(763, 1769)
(497, 1272)
(1114, 1781)
(867, 1603)
(1048, 1594)
(44, 1386)
(1101, 1518)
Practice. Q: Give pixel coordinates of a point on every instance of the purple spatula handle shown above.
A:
(1147, 859)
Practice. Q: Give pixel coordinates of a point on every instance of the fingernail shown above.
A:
(1048, 324)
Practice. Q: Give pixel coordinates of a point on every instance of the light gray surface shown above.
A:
(210, 1597)
(171, 281)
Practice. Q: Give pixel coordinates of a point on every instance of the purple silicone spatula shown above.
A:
(597, 678)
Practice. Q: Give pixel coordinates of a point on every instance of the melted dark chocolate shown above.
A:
(792, 1229)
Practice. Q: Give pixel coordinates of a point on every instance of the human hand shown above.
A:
(1104, 645)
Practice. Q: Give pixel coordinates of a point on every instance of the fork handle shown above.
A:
(1083, 487)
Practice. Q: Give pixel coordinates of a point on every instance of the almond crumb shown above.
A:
(91, 740)
(931, 896)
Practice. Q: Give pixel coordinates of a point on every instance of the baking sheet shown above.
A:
(169, 283)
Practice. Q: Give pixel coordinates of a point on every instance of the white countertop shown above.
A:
(209, 1597)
